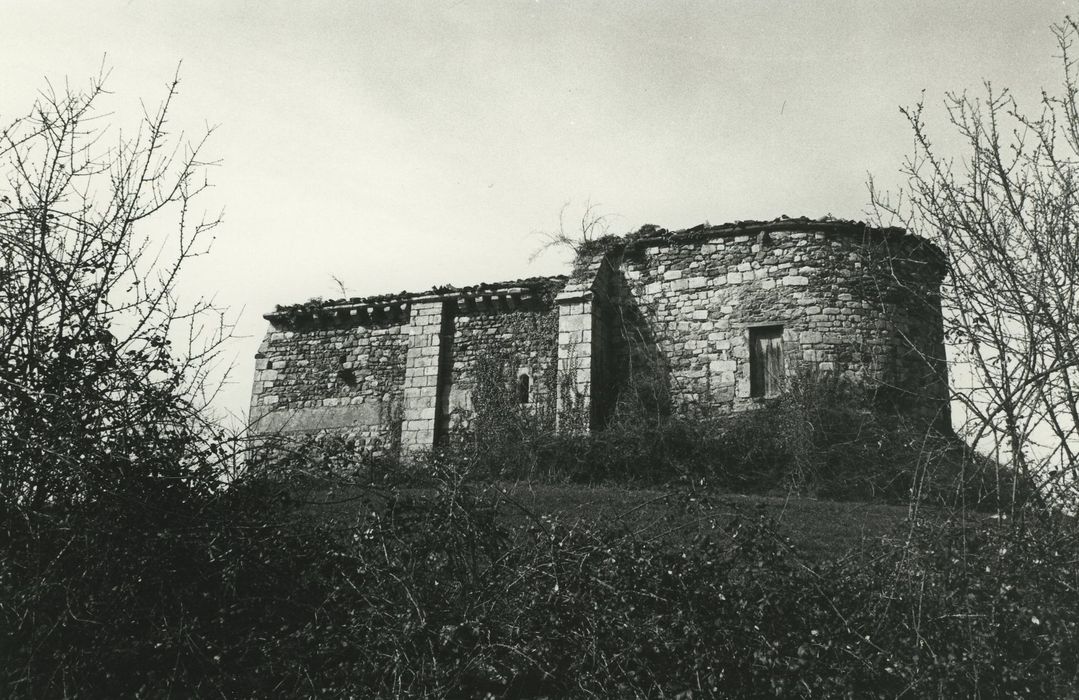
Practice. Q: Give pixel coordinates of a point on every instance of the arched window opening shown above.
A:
(523, 388)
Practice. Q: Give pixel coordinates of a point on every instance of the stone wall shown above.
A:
(506, 343)
(390, 373)
(866, 306)
(656, 322)
(340, 378)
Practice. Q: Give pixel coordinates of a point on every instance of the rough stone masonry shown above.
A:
(708, 320)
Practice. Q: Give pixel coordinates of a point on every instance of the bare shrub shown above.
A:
(1004, 210)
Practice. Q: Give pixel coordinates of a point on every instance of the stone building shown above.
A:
(706, 321)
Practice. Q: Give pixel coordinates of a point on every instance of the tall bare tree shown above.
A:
(1006, 214)
(94, 229)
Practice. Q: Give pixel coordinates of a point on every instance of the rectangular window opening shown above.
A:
(765, 361)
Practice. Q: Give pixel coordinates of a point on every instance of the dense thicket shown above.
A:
(427, 594)
(825, 436)
(108, 469)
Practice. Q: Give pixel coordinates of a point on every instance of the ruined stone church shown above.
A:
(704, 321)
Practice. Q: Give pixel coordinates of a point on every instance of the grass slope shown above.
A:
(818, 529)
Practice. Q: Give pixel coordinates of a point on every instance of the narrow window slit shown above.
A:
(523, 388)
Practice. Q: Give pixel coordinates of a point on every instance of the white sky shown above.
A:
(403, 145)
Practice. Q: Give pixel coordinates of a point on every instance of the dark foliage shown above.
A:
(826, 435)
(429, 595)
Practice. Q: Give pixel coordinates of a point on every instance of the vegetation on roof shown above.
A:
(542, 284)
(646, 235)
(651, 234)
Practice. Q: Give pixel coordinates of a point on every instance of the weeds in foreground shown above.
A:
(427, 593)
(825, 436)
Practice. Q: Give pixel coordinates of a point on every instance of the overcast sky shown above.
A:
(406, 144)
